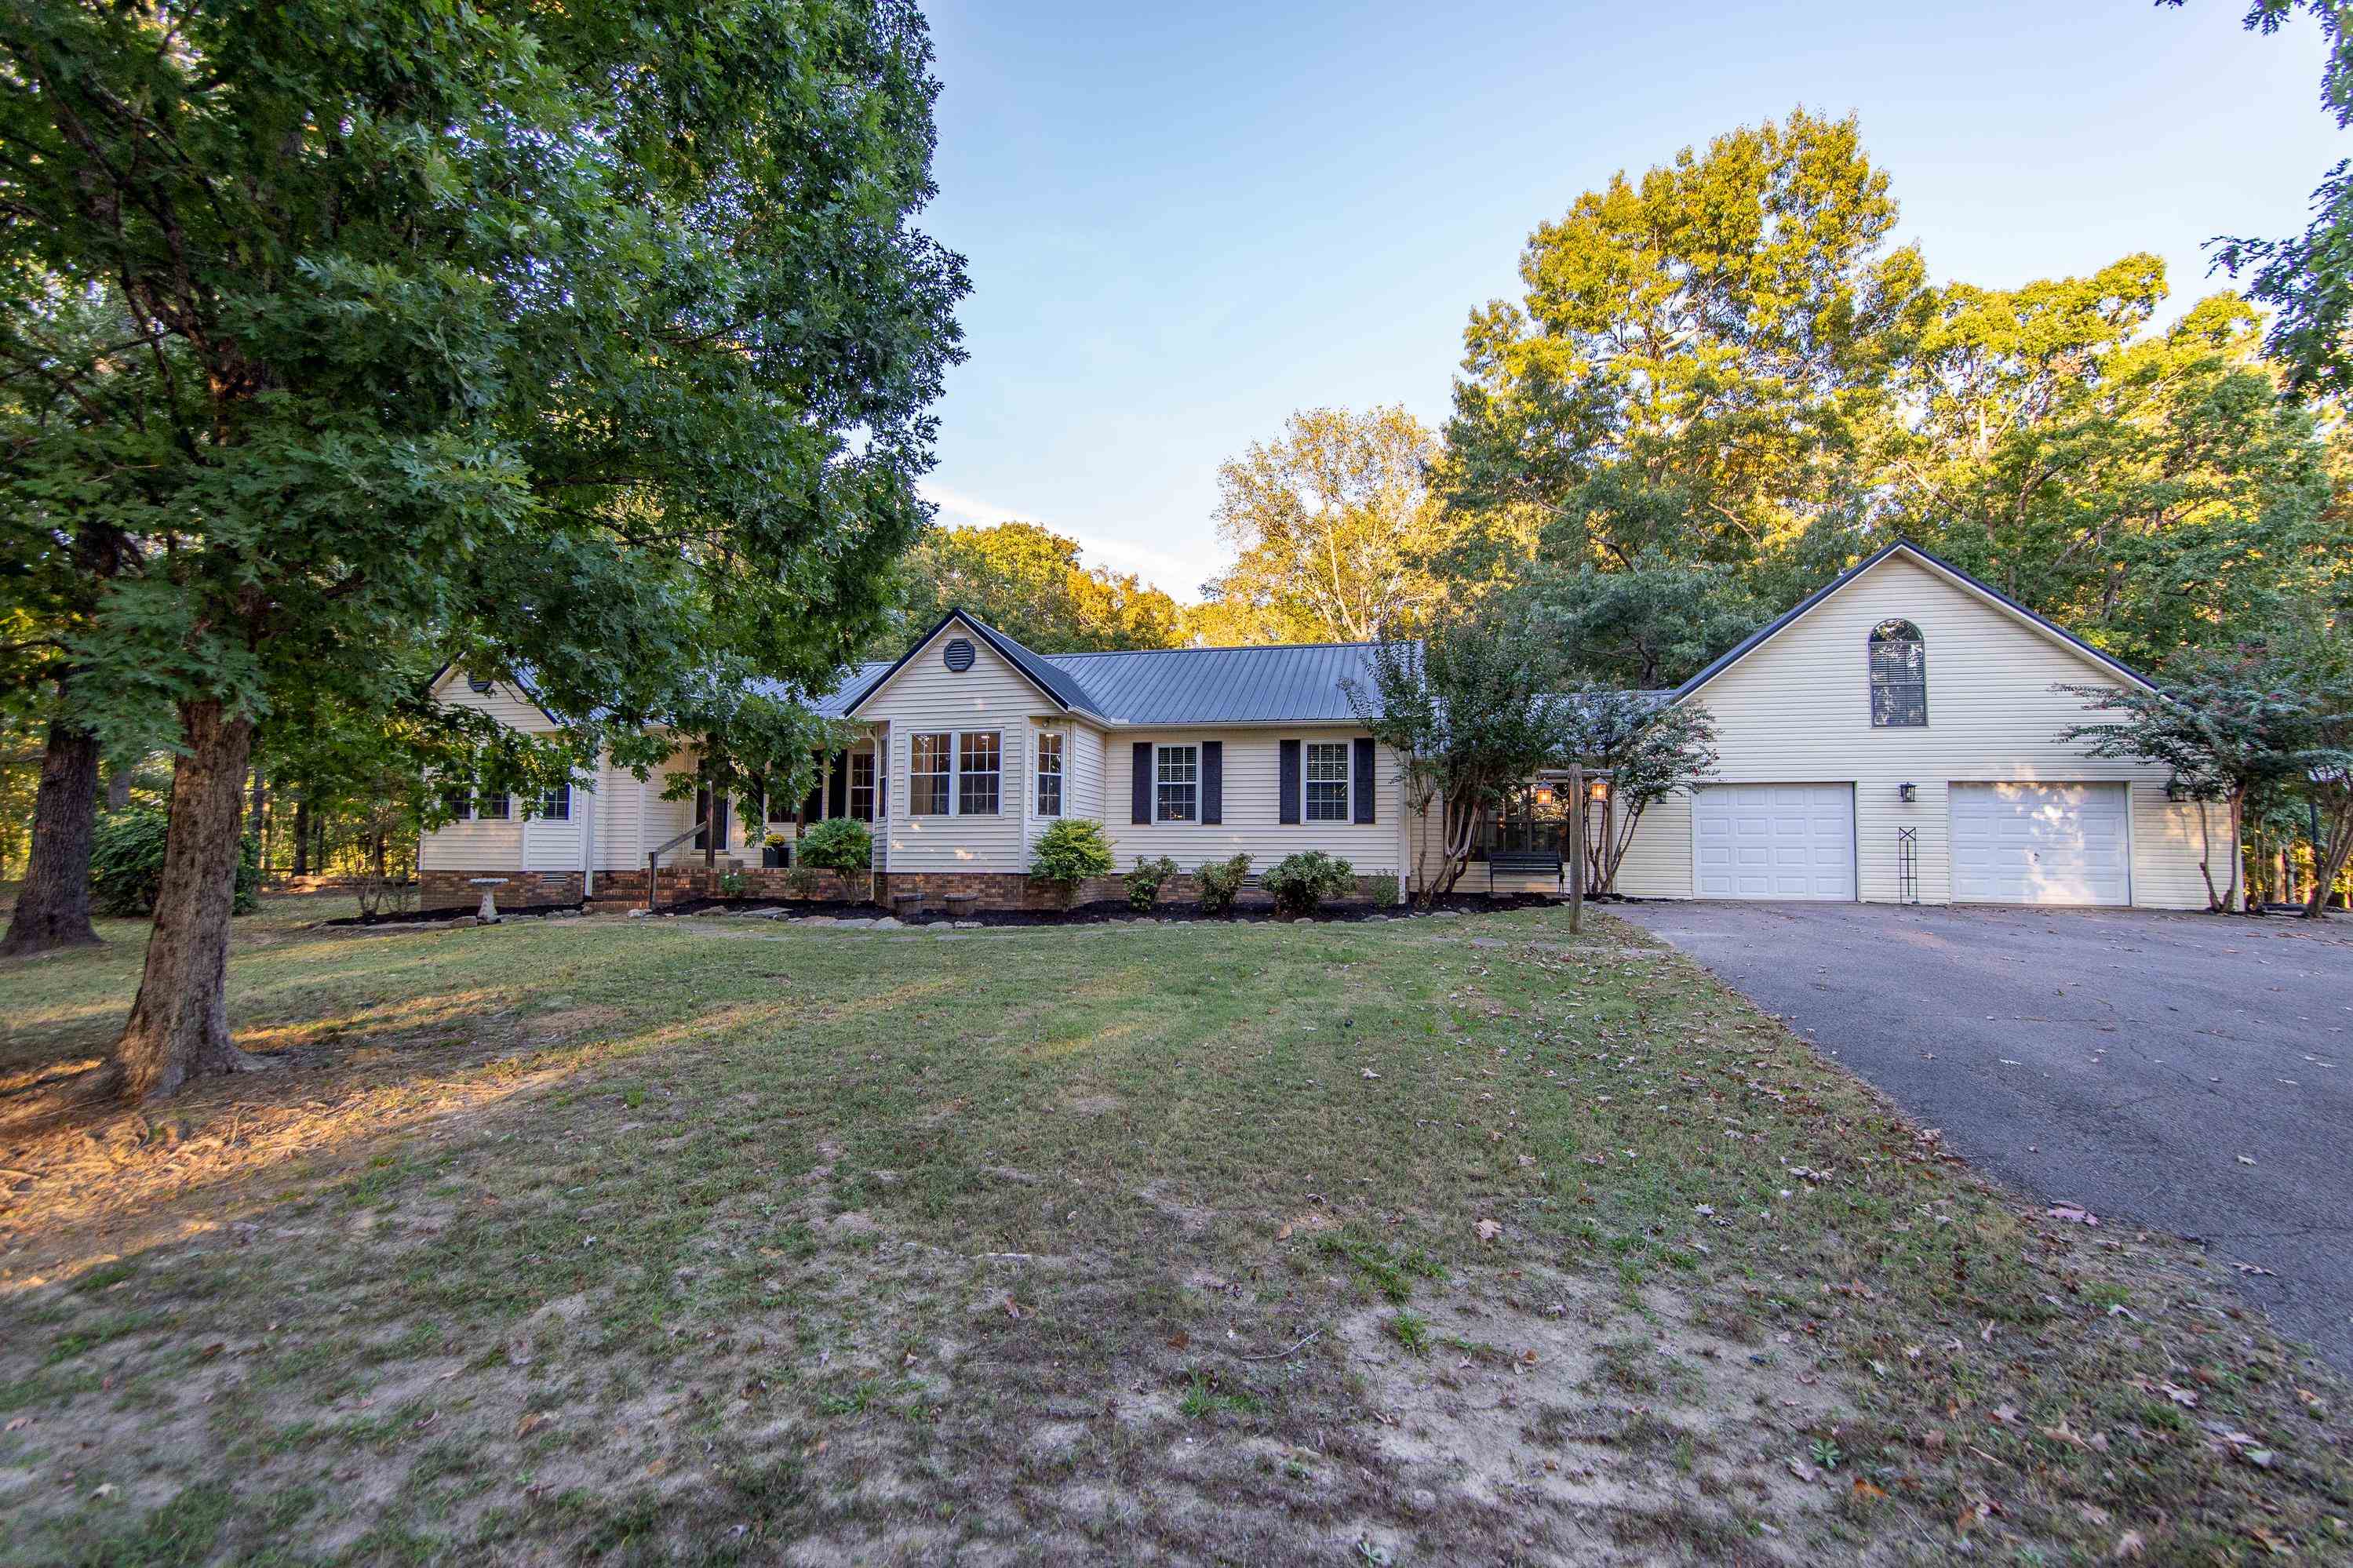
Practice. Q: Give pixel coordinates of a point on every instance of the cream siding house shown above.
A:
(1894, 738)
(1813, 794)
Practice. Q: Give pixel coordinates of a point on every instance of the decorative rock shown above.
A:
(640, 914)
(967, 925)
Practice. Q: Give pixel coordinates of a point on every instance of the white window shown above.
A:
(1050, 775)
(861, 786)
(978, 771)
(1899, 677)
(927, 775)
(1176, 784)
(555, 805)
(496, 808)
(460, 804)
(1327, 781)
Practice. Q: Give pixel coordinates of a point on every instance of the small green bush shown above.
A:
(1144, 882)
(731, 885)
(126, 864)
(837, 844)
(1222, 883)
(1385, 894)
(1302, 883)
(1072, 850)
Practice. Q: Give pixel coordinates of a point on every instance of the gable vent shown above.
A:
(957, 656)
(479, 686)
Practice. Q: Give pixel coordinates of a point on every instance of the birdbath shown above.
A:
(489, 913)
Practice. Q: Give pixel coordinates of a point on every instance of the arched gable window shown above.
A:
(1899, 676)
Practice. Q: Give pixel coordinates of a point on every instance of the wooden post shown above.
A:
(1576, 847)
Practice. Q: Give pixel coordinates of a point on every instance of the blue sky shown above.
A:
(1184, 222)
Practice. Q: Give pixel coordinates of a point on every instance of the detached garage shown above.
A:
(1897, 737)
(2041, 843)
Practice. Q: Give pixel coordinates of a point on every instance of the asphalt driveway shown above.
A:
(2188, 1071)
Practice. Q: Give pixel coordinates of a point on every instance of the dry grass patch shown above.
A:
(606, 1241)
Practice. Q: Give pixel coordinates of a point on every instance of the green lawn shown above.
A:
(717, 1239)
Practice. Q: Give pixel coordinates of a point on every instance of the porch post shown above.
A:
(1576, 847)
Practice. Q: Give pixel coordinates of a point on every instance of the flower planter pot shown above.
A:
(772, 856)
(963, 906)
(907, 906)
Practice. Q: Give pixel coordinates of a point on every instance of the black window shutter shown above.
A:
(1364, 790)
(1213, 781)
(1140, 792)
(840, 785)
(1289, 785)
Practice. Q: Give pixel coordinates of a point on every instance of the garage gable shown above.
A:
(1999, 605)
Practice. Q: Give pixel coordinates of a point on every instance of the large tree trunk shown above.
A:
(179, 1026)
(53, 905)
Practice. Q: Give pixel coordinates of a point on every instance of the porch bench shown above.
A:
(1525, 863)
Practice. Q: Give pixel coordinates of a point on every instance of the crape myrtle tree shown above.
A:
(1470, 709)
(594, 341)
(1648, 747)
(2232, 729)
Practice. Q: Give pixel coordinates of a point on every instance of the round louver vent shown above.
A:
(957, 656)
(481, 687)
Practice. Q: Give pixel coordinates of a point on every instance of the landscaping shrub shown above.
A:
(1072, 850)
(1302, 883)
(1385, 894)
(126, 864)
(838, 844)
(731, 885)
(1222, 883)
(1144, 882)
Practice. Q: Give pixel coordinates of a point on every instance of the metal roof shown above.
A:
(854, 685)
(1291, 684)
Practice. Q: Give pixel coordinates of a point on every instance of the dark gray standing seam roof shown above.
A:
(1297, 684)
(853, 686)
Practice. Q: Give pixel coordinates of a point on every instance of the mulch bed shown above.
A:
(1253, 910)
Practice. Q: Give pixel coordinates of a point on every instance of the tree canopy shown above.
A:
(597, 340)
(1027, 581)
(1334, 525)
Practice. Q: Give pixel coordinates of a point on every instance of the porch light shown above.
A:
(1544, 795)
(1907, 792)
(1600, 790)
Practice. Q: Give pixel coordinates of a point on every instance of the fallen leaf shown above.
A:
(1865, 1490)
(2181, 1396)
(1179, 1339)
(1012, 1308)
(2072, 1215)
(2246, 1160)
(1489, 1230)
(21, 1421)
(2129, 1547)
(1370, 1073)
(533, 1422)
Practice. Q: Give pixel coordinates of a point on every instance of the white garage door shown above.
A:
(1773, 841)
(2040, 843)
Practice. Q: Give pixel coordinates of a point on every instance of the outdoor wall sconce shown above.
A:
(1544, 795)
(1601, 789)
(1907, 792)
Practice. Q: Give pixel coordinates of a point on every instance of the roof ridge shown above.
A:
(1211, 648)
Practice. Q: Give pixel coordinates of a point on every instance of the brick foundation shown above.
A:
(524, 890)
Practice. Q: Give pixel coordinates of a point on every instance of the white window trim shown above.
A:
(540, 812)
(949, 773)
(955, 760)
(1347, 781)
(1062, 774)
(851, 787)
(1159, 748)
